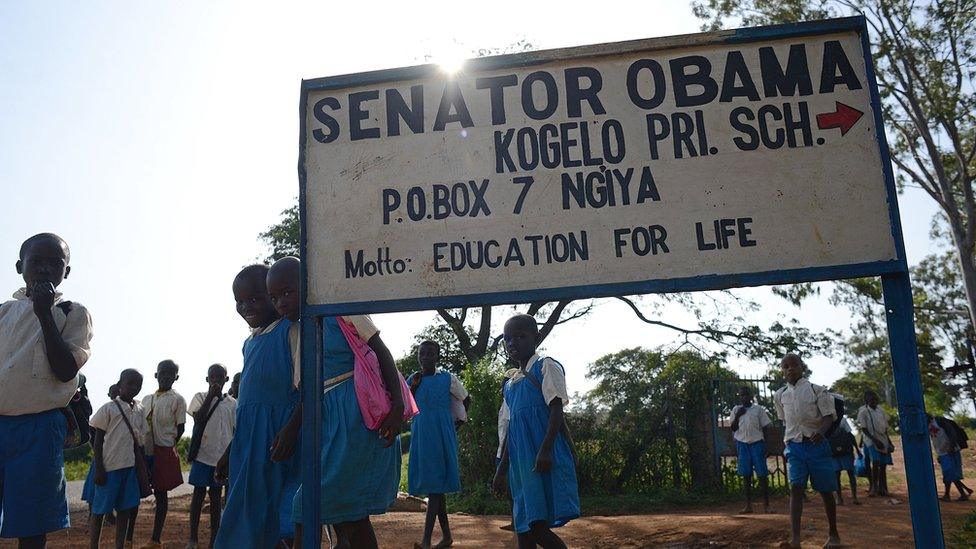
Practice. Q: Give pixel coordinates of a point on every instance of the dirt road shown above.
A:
(876, 523)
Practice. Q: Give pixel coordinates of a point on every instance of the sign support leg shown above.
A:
(922, 493)
(311, 441)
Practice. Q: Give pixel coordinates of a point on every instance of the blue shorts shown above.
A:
(951, 465)
(88, 490)
(844, 463)
(752, 457)
(813, 461)
(202, 475)
(32, 484)
(877, 457)
(121, 492)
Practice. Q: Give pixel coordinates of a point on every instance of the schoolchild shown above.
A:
(119, 425)
(88, 490)
(433, 466)
(807, 411)
(845, 462)
(537, 459)
(261, 456)
(360, 467)
(235, 385)
(166, 416)
(946, 443)
(214, 414)
(872, 420)
(749, 422)
(44, 342)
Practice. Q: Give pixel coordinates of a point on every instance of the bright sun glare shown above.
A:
(451, 58)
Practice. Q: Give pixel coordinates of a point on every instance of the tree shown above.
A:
(655, 396)
(925, 57)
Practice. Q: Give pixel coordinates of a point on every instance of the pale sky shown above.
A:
(160, 138)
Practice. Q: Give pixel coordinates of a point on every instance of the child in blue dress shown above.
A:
(433, 467)
(360, 468)
(537, 456)
(88, 490)
(266, 471)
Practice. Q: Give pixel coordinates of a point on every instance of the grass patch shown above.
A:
(963, 533)
(403, 472)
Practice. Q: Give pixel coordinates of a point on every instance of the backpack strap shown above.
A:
(125, 418)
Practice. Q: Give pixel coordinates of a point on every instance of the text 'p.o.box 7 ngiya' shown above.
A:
(683, 163)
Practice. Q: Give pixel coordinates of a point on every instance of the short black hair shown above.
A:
(868, 393)
(218, 365)
(168, 364)
(255, 270)
(429, 342)
(527, 320)
(236, 376)
(44, 236)
(746, 389)
(129, 372)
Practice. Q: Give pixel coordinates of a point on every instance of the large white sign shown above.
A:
(594, 166)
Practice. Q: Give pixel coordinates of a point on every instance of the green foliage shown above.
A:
(452, 357)
(284, 236)
(646, 426)
(963, 534)
(478, 438)
(76, 469)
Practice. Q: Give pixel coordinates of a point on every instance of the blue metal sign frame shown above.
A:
(923, 498)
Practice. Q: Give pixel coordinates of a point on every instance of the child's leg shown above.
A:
(446, 539)
(132, 524)
(747, 485)
(764, 486)
(95, 531)
(840, 490)
(526, 541)
(196, 506)
(830, 507)
(884, 479)
(214, 514)
(853, 479)
(545, 537)
(363, 535)
(796, 512)
(433, 509)
(948, 486)
(162, 507)
(122, 521)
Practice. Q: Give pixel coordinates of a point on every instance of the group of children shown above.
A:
(820, 445)
(127, 432)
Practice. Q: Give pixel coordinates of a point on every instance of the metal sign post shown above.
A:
(685, 163)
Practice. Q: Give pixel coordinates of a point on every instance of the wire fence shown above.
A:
(725, 396)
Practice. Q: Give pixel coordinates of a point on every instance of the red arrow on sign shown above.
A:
(844, 118)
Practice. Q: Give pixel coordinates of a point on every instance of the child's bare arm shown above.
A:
(285, 441)
(543, 461)
(498, 481)
(97, 447)
(220, 471)
(393, 422)
(58, 353)
(467, 403)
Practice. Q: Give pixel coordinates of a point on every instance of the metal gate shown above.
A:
(724, 397)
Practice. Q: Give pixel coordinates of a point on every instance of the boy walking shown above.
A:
(44, 341)
(214, 419)
(946, 442)
(119, 426)
(165, 412)
(808, 412)
(873, 423)
(748, 429)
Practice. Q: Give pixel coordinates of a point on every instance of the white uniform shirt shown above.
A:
(458, 394)
(940, 439)
(219, 430)
(802, 407)
(502, 427)
(27, 383)
(872, 421)
(117, 451)
(751, 423)
(362, 323)
(164, 411)
(553, 382)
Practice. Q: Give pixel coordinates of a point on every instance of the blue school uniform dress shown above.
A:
(949, 455)
(551, 497)
(258, 510)
(359, 476)
(32, 428)
(433, 466)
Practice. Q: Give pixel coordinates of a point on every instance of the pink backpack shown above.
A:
(374, 399)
